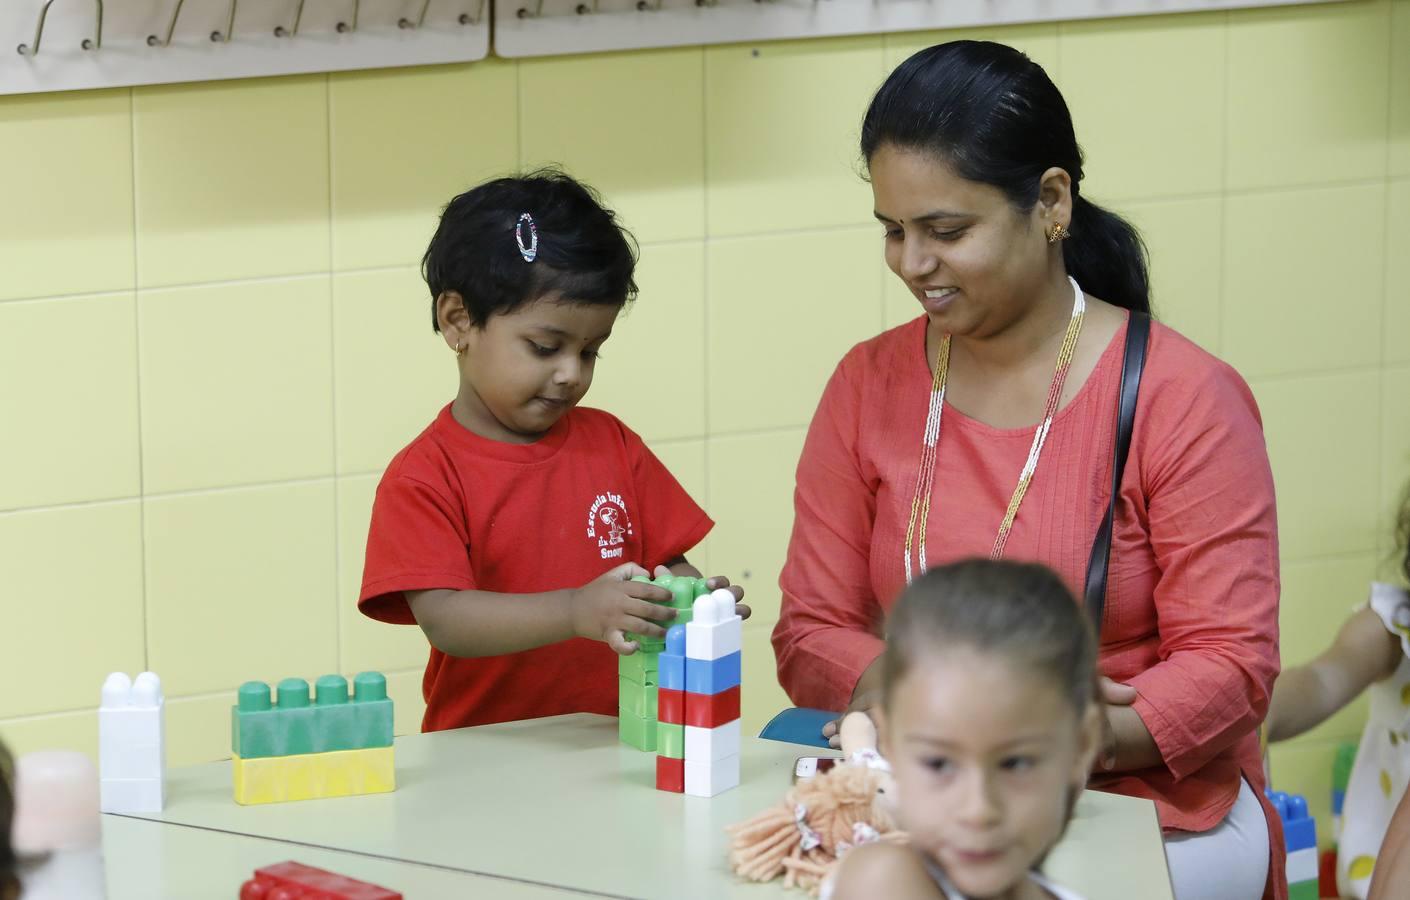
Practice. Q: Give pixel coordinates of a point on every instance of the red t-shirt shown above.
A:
(458, 511)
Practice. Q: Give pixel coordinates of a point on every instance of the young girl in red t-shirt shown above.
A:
(509, 528)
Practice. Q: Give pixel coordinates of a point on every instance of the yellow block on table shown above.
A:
(312, 776)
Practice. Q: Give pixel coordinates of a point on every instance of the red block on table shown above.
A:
(712, 710)
(1327, 874)
(670, 775)
(670, 706)
(296, 881)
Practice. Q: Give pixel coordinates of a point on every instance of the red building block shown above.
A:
(712, 710)
(1327, 874)
(670, 706)
(296, 881)
(670, 776)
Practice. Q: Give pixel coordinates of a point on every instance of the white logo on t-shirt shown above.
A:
(609, 524)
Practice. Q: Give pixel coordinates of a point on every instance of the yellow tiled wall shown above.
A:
(213, 335)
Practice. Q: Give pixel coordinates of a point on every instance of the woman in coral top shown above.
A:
(985, 427)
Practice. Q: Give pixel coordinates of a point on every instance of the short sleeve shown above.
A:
(417, 541)
(671, 522)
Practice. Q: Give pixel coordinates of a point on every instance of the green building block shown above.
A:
(640, 668)
(1341, 765)
(1303, 890)
(670, 740)
(294, 725)
(637, 699)
(636, 731)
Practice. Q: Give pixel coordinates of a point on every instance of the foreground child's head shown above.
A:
(527, 276)
(988, 717)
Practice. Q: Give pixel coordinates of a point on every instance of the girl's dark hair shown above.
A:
(584, 255)
(1021, 612)
(993, 114)
(1402, 532)
(9, 878)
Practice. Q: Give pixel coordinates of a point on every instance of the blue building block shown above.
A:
(671, 662)
(712, 676)
(1338, 798)
(1299, 828)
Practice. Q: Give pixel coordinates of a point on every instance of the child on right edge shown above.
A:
(1372, 650)
(989, 723)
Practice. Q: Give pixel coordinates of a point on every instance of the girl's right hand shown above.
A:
(608, 607)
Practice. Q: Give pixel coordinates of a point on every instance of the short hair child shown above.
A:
(509, 529)
(988, 718)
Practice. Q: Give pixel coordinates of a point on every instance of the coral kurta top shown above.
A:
(1191, 617)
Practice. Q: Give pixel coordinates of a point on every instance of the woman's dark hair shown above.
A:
(993, 114)
(584, 255)
(1021, 612)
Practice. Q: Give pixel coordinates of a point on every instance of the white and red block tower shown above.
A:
(705, 701)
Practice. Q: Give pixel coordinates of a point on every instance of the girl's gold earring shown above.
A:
(459, 348)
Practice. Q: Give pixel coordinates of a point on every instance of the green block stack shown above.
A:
(637, 674)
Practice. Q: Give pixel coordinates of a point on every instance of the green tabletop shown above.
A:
(560, 803)
(151, 861)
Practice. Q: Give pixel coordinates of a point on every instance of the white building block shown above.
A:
(715, 630)
(712, 743)
(1302, 865)
(708, 778)
(132, 744)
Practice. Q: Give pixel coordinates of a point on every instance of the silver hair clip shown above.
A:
(529, 251)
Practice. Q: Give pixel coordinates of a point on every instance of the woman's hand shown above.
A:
(1111, 694)
(865, 696)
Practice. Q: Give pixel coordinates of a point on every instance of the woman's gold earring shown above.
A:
(1058, 233)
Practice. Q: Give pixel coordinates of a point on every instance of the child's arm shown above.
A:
(884, 870)
(483, 623)
(1364, 652)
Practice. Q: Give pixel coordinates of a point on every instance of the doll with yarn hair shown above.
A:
(819, 820)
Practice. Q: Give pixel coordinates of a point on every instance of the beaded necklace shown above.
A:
(925, 480)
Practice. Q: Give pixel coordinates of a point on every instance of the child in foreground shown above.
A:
(510, 528)
(1371, 651)
(989, 723)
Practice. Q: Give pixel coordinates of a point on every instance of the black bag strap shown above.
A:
(1138, 328)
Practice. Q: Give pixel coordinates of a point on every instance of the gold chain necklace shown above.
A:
(925, 478)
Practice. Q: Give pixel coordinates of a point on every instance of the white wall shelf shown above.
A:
(553, 27)
(204, 47)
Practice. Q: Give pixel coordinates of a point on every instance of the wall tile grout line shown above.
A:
(333, 380)
(143, 578)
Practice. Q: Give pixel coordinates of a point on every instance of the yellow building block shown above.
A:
(313, 776)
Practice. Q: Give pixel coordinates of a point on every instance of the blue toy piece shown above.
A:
(712, 676)
(671, 662)
(1299, 828)
(799, 726)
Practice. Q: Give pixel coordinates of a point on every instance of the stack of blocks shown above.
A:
(699, 700)
(638, 675)
(132, 744)
(1300, 836)
(293, 750)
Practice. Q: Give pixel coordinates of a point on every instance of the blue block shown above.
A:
(712, 676)
(800, 726)
(1338, 798)
(1299, 828)
(671, 662)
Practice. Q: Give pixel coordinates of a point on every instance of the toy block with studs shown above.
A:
(302, 747)
(713, 640)
(294, 724)
(639, 675)
(132, 744)
(1300, 838)
(295, 881)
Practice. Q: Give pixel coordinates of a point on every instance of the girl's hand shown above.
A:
(608, 607)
